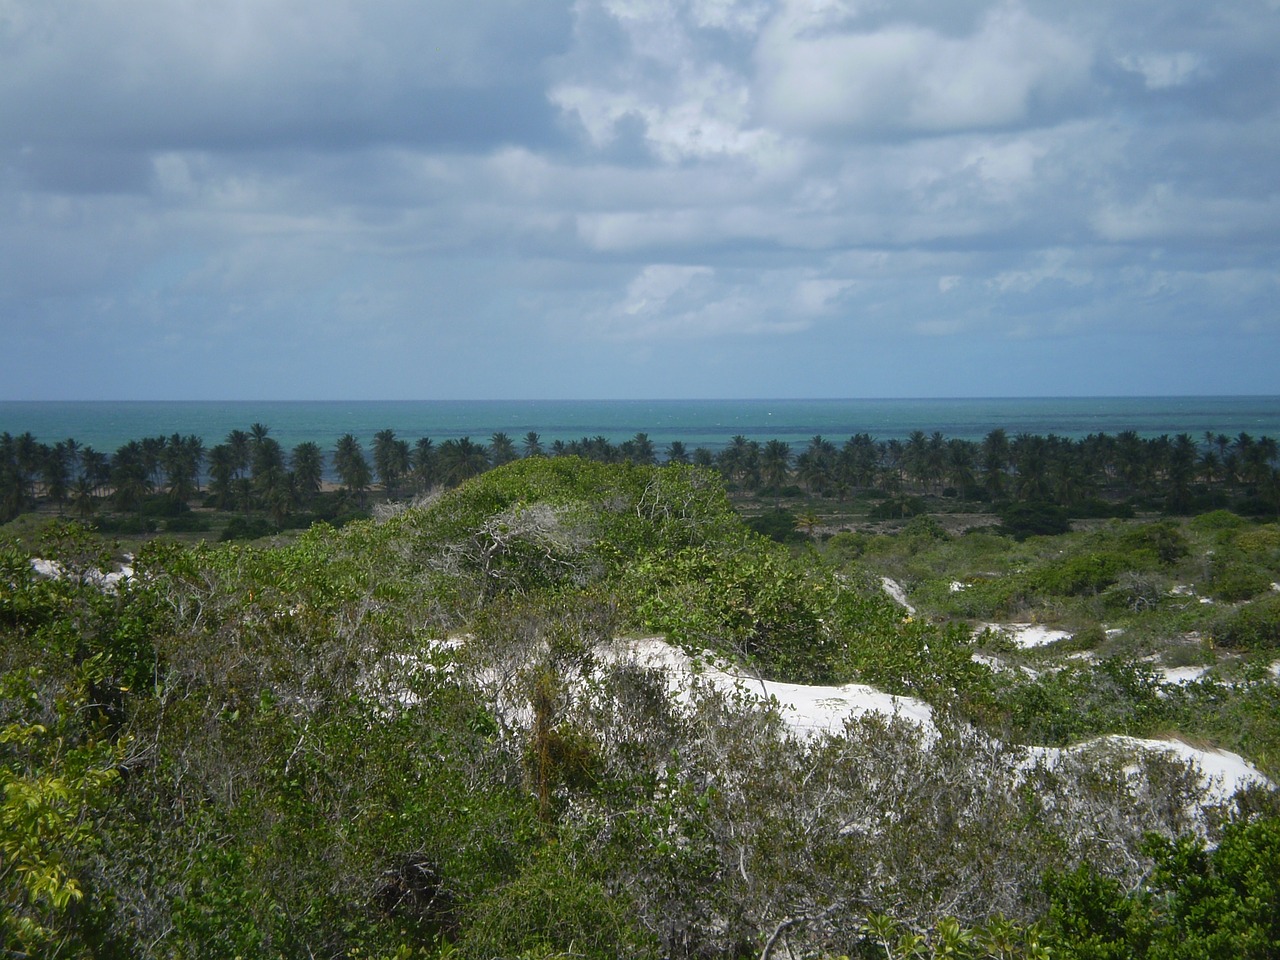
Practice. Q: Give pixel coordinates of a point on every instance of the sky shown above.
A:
(398, 199)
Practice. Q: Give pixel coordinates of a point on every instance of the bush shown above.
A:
(779, 525)
(1022, 520)
(898, 508)
(163, 506)
(1218, 520)
(1101, 509)
(124, 525)
(1255, 626)
(1233, 581)
(1088, 573)
(188, 523)
(1163, 540)
(247, 528)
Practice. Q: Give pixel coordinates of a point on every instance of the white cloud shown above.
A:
(1051, 265)
(1161, 71)
(912, 77)
(672, 302)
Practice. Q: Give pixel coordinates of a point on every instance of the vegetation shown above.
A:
(418, 735)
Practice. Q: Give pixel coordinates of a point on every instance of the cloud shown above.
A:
(749, 184)
(908, 77)
(679, 303)
(1161, 71)
(181, 74)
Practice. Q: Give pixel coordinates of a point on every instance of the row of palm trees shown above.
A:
(250, 469)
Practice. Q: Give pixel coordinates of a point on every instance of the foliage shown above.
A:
(1197, 903)
(779, 525)
(1034, 519)
(1252, 627)
(418, 736)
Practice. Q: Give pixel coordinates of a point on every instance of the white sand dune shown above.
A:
(807, 709)
(1221, 773)
(811, 710)
(1026, 635)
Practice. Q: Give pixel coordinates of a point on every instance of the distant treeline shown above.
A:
(250, 469)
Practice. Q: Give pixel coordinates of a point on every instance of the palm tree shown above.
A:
(390, 460)
(501, 449)
(676, 453)
(83, 499)
(181, 460)
(532, 445)
(462, 459)
(732, 459)
(222, 476)
(1031, 467)
(815, 467)
(13, 489)
(95, 467)
(129, 476)
(284, 496)
(424, 465)
(352, 467)
(238, 443)
(914, 456)
(268, 468)
(1181, 471)
(775, 464)
(307, 463)
(153, 452)
(858, 461)
(639, 449)
(960, 459)
(56, 474)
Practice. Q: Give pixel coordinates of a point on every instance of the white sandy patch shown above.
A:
(807, 709)
(1180, 676)
(1221, 773)
(812, 709)
(894, 589)
(107, 581)
(1026, 635)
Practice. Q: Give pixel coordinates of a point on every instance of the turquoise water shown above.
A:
(711, 423)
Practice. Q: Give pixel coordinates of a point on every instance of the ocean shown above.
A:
(105, 426)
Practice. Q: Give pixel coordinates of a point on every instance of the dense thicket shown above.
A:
(419, 737)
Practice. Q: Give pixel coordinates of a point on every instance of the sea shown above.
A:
(106, 426)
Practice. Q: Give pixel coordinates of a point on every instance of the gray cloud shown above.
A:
(548, 188)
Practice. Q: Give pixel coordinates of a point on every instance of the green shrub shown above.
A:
(1095, 508)
(188, 523)
(554, 908)
(1235, 580)
(898, 508)
(1163, 540)
(1087, 573)
(1255, 626)
(1135, 591)
(779, 525)
(1217, 521)
(124, 525)
(163, 506)
(1022, 520)
(247, 528)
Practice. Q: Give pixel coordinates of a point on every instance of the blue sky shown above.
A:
(313, 199)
